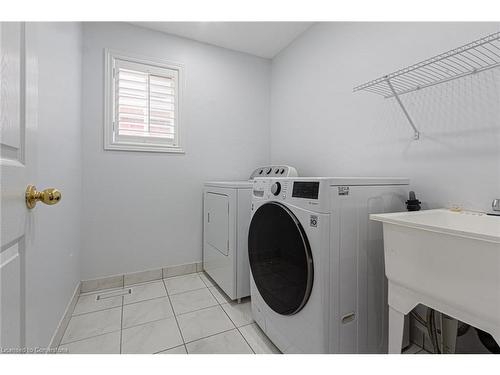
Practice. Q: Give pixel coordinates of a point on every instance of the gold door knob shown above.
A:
(48, 196)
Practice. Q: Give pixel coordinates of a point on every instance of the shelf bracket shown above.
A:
(416, 134)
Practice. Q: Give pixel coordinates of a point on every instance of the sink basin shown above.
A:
(468, 224)
(449, 261)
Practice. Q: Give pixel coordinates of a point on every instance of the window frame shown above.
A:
(112, 141)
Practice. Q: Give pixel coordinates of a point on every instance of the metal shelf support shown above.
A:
(416, 134)
(471, 58)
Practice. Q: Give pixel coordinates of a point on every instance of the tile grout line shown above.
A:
(175, 347)
(244, 338)
(142, 300)
(214, 297)
(212, 335)
(91, 312)
(204, 308)
(202, 278)
(121, 325)
(249, 324)
(187, 291)
(192, 290)
(237, 328)
(189, 312)
(203, 273)
(175, 316)
(192, 311)
(148, 322)
(90, 337)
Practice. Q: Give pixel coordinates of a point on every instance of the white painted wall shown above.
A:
(144, 210)
(320, 126)
(52, 265)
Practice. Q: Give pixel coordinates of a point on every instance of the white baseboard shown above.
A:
(63, 323)
(120, 281)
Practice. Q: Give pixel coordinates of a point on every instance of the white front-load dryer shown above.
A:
(317, 278)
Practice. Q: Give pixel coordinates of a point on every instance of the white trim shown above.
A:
(63, 323)
(110, 143)
(119, 281)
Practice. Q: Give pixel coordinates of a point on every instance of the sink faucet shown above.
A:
(495, 205)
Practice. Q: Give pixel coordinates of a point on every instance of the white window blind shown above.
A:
(145, 106)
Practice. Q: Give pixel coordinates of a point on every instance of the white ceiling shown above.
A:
(264, 39)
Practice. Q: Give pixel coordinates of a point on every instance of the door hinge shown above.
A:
(208, 217)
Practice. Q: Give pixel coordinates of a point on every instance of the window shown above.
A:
(143, 98)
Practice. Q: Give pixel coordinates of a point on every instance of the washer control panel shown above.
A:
(271, 189)
(274, 171)
(300, 192)
(305, 189)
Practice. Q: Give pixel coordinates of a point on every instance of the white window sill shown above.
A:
(143, 148)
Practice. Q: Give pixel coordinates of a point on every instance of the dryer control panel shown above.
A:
(274, 171)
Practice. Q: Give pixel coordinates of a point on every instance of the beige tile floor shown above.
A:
(177, 315)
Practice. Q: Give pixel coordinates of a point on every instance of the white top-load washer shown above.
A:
(226, 217)
(317, 262)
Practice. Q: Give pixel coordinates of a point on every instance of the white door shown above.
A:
(217, 208)
(18, 98)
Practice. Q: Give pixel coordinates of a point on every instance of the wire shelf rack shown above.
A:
(477, 56)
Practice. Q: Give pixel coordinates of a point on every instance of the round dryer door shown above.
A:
(280, 258)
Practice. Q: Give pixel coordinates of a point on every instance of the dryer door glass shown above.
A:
(280, 258)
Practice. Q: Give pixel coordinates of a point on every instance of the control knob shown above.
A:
(276, 188)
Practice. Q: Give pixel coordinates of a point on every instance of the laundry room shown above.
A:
(243, 185)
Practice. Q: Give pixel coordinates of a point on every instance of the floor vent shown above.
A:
(114, 293)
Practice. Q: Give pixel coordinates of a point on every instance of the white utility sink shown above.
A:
(449, 261)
